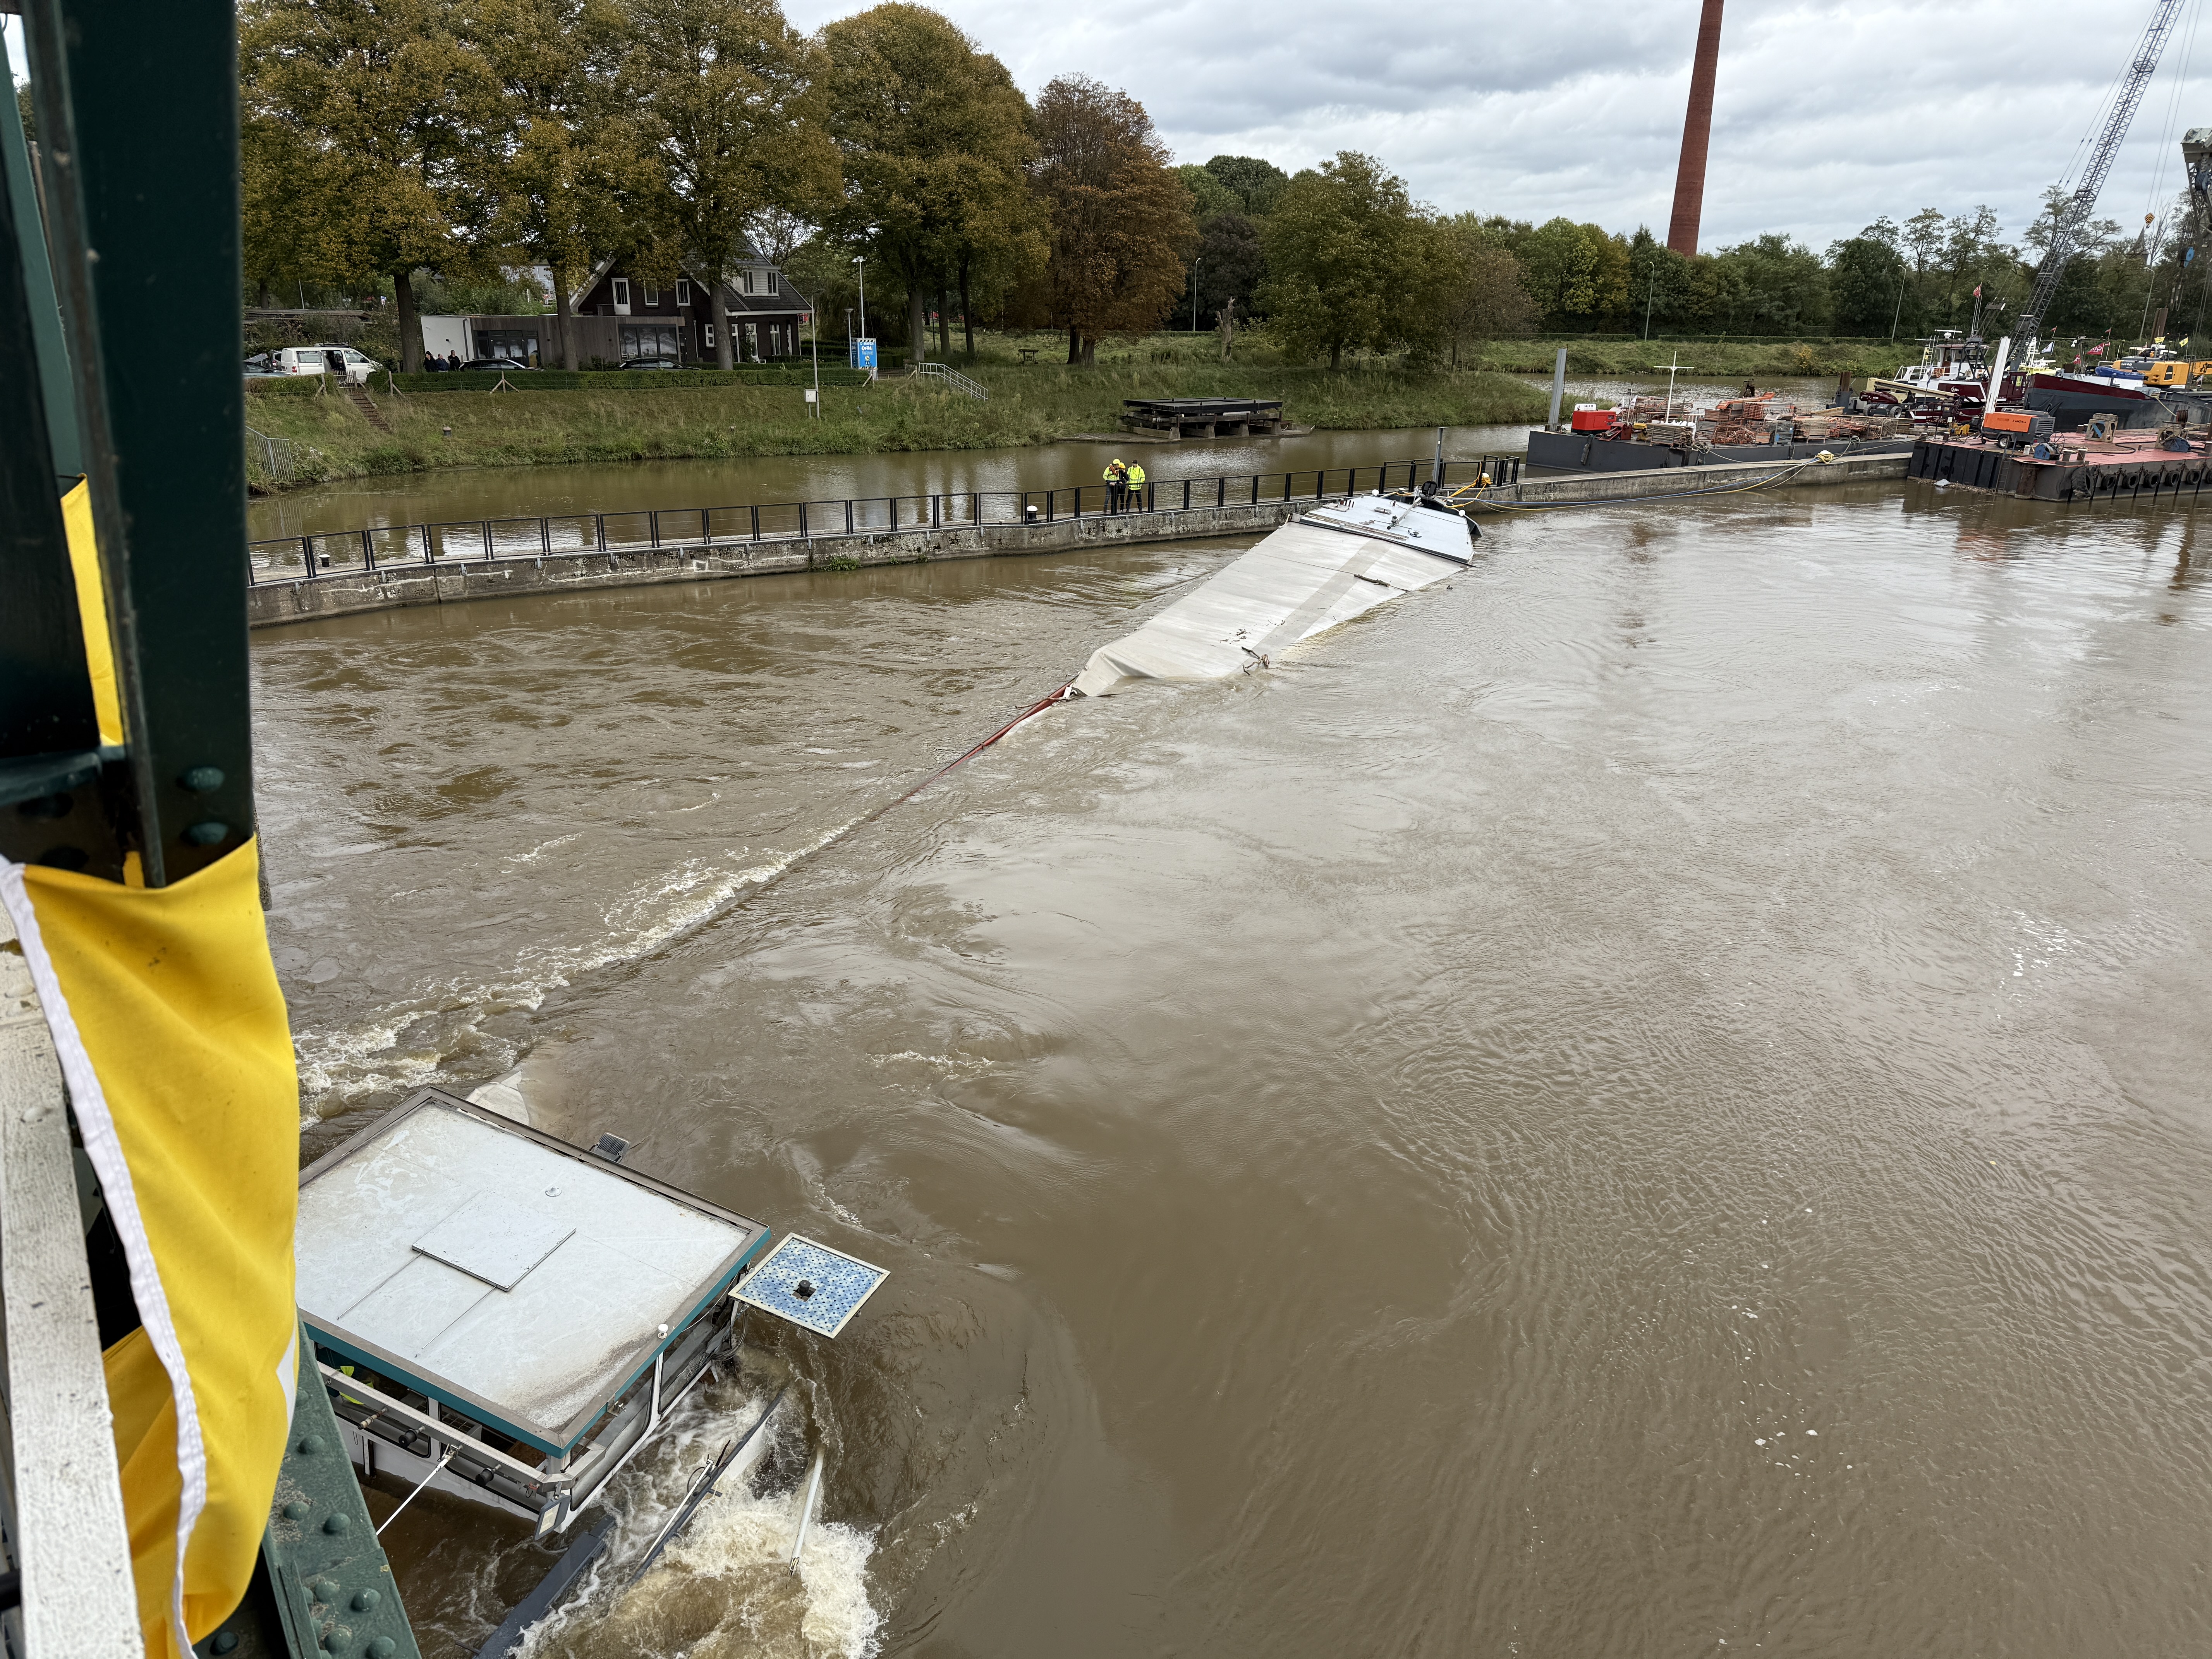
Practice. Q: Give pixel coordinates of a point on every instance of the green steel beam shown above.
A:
(44, 309)
(46, 721)
(324, 1588)
(137, 110)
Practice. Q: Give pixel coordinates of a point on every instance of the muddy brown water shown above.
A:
(1649, 1101)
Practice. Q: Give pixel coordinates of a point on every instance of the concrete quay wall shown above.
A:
(346, 592)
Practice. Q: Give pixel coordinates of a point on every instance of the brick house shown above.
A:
(617, 314)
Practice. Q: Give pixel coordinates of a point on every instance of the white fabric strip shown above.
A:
(104, 1147)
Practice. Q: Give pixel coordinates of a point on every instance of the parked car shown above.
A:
(312, 360)
(507, 365)
(650, 362)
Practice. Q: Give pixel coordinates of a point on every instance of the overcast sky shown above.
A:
(1826, 115)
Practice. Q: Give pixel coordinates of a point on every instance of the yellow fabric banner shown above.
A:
(92, 610)
(173, 1035)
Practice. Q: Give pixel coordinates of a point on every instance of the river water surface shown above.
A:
(1649, 1101)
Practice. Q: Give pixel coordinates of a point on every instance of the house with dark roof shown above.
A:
(617, 314)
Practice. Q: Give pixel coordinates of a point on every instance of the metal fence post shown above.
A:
(368, 553)
(893, 501)
(429, 557)
(653, 520)
(848, 515)
(307, 554)
(545, 535)
(487, 540)
(756, 524)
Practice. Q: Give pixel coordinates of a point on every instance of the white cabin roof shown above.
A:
(519, 1278)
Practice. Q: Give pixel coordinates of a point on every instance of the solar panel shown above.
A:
(810, 1284)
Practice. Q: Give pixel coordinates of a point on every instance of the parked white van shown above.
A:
(312, 360)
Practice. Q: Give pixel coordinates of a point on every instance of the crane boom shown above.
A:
(2066, 232)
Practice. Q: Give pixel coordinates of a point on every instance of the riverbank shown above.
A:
(314, 439)
(1640, 359)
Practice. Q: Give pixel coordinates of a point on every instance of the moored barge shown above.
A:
(2128, 465)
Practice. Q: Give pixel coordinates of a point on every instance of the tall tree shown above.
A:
(1121, 218)
(1782, 288)
(1208, 195)
(564, 163)
(1869, 280)
(935, 139)
(730, 103)
(1350, 260)
(1232, 263)
(1258, 184)
(1577, 274)
(364, 118)
(1661, 283)
(1480, 292)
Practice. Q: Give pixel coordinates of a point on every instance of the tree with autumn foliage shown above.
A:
(564, 164)
(936, 142)
(1121, 219)
(362, 120)
(729, 99)
(1354, 263)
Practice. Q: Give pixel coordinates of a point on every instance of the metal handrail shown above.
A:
(610, 535)
(953, 378)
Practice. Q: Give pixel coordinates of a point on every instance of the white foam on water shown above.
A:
(338, 1066)
(725, 1588)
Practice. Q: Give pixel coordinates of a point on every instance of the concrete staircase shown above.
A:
(358, 397)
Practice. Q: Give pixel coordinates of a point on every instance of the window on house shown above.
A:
(651, 294)
(771, 282)
(621, 292)
(745, 281)
(709, 329)
(683, 292)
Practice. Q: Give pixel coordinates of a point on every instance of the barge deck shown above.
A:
(2128, 464)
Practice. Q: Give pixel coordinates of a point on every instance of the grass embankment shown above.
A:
(1029, 403)
(1636, 359)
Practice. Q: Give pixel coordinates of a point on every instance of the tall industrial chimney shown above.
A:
(1696, 130)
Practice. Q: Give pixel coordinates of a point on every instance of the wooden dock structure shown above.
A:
(1204, 417)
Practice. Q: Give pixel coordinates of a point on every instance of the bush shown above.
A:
(284, 385)
(562, 380)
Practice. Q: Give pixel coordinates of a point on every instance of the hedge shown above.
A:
(283, 385)
(562, 380)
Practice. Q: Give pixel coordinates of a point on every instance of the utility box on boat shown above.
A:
(501, 1315)
(2025, 424)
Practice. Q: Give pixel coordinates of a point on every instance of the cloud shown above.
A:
(1826, 115)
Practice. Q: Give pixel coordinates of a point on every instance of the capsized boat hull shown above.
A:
(1340, 561)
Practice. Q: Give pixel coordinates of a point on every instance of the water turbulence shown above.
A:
(1644, 1098)
(728, 1586)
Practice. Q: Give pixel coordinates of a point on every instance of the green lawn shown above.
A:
(1029, 403)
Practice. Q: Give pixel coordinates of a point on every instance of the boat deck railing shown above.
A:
(293, 558)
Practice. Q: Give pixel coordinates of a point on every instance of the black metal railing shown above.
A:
(290, 558)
